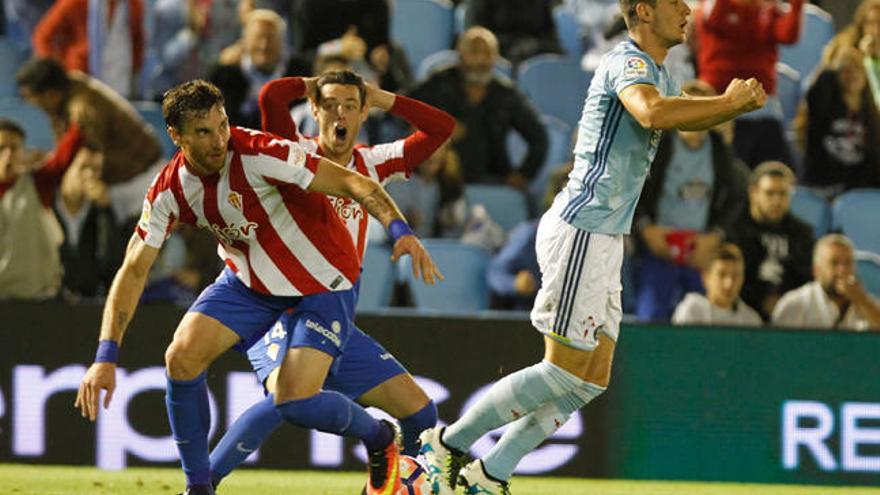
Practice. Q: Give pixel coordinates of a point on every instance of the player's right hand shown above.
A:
(100, 376)
(747, 95)
(422, 265)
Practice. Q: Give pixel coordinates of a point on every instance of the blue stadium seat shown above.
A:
(12, 58)
(569, 32)
(788, 89)
(464, 289)
(422, 27)
(35, 123)
(853, 214)
(556, 85)
(152, 113)
(377, 281)
(868, 270)
(505, 205)
(438, 61)
(460, 15)
(558, 152)
(813, 209)
(816, 31)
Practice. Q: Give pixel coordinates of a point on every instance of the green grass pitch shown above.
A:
(54, 480)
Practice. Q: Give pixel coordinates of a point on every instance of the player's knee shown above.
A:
(181, 364)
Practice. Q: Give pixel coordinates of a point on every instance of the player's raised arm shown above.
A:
(332, 179)
(653, 111)
(275, 99)
(126, 290)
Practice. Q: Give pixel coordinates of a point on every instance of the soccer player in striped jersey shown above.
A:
(367, 373)
(284, 248)
(631, 99)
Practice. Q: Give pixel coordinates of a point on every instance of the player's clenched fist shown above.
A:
(423, 266)
(746, 94)
(100, 376)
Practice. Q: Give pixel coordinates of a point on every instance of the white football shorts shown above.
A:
(580, 283)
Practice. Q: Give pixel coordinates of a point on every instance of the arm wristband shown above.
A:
(108, 351)
(398, 228)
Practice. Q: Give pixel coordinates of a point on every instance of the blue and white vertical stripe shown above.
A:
(606, 139)
(573, 272)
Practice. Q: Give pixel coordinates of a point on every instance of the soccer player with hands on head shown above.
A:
(630, 101)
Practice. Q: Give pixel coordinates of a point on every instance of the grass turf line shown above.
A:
(18, 479)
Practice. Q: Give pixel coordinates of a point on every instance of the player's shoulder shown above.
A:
(627, 57)
(167, 178)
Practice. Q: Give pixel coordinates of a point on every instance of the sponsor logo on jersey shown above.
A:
(347, 209)
(297, 155)
(145, 215)
(635, 67)
(235, 231)
(234, 199)
(317, 327)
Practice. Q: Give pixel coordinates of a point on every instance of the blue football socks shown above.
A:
(190, 418)
(414, 424)
(332, 412)
(244, 436)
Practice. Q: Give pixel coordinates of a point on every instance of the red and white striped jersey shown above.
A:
(276, 237)
(383, 163)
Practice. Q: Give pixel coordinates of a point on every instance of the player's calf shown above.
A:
(384, 465)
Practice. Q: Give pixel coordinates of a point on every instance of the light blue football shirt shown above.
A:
(613, 151)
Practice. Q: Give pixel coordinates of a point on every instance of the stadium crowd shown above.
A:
(763, 221)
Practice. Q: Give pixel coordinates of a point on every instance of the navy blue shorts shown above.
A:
(321, 321)
(361, 364)
(243, 310)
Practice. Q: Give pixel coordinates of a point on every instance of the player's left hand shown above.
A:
(100, 376)
(423, 266)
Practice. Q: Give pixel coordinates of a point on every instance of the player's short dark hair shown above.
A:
(7, 125)
(726, 252)
(42, 74)
(774, 169)
(346, 77)
(192, 98)
(628, 9)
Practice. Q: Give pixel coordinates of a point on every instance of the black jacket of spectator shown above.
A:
(778, 257)
(729, 192)
(482, 148)
(89, 266)
(318, 21)
(841, 146)
(524, 27)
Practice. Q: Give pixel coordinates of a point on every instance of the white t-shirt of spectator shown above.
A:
(695, 309)
(809, 306)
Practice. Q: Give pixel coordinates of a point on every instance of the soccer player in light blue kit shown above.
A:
(631, 99)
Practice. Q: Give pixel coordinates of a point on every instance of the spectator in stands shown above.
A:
(359, 31)
(103, 38)
(863, 33)
(723, 279)
(839, 128)
(487, 108)
(76, 103)
(246, 66)
(22, 17)
(525, 28)
(93, 242)
(776, 245)
(30, 266)
(740, 39)
(835, 299)
(695, 191)
(187, 36)
(513, 274)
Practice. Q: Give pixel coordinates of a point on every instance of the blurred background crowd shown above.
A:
(765, 220)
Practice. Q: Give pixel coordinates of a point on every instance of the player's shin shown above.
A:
(527, 434)
(413, 425)
(511, 398)
(190, 418)
(244, 436)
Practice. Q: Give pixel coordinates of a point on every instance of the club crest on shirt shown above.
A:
(234, 199)
(635, 67)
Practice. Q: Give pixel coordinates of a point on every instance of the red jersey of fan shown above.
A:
(277, 238)
(383, 163)
(740, 39)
